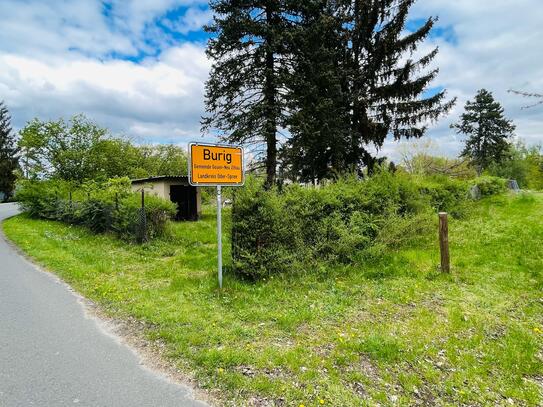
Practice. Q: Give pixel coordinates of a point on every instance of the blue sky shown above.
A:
(139, 66)
(176, 24)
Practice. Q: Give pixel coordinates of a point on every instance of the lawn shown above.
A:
(391, 331)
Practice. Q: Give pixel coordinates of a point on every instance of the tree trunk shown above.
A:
(358, 111)
(270, 94)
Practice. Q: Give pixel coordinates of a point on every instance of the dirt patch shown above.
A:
(250, 371)
(266, 402)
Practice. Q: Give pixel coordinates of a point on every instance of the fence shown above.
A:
(134, 216)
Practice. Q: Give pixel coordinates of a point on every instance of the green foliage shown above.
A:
(244, 97)
(155, 160)
(110, 206)
(398, 231)
(534, 177)
(276, 231)
(9, 161)
(338, 76)
(158, 212)
(523, 164)
(318, 121)
(39, 199)
(489, 185)
(96, 214)
(444, 193)
(80, 150)
(488, 131)
(69, 151)
(356, 82)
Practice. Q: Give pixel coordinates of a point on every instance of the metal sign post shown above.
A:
(219, 232)
(216, 165)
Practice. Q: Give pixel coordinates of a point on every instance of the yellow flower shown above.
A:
(301, 405)
(321, 401)
(537, 330)
(221, 370)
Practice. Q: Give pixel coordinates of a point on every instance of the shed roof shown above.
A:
(178, 178)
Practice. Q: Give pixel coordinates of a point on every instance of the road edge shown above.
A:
(129, 333)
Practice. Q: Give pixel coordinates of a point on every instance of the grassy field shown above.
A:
(392, 331)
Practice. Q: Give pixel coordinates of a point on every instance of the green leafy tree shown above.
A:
(162, 160)
(488, 131)
(9, 161)
(246, 87)
(535, 168)
(56, 149)
(116, 157)
(523, 164)
(79, 150)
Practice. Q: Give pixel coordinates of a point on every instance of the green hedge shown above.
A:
(277, 231)
(489, 185)
(444, 193)
(110, 207)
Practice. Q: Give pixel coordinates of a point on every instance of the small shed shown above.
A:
(178, 190)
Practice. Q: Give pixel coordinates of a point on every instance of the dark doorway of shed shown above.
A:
(185, 198)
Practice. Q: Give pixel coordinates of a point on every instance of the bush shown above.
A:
(278, 231)
(39, 199)
(101, 208)
(274, 232)
(128, 221)
(491, 185)
(397, 231)
(444, 194)
(96, 214)
(524, 164)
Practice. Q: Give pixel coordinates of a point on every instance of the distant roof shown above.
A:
(182, 178)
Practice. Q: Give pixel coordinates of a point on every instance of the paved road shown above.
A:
(51, 354)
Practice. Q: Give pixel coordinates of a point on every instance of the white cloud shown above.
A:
(55, 61)
(193, 20)
(123, 95)
(39, 29)
(498, 47)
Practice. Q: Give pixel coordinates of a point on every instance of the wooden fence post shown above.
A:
(444, 242)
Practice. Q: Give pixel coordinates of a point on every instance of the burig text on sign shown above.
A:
(215, 165)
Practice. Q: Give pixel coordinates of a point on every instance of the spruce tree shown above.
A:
(338, 75)
(318, 119)
(356, 83)
(488, 131)
(246, 88)
(386, 85)
(8, 154)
